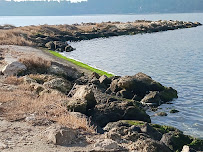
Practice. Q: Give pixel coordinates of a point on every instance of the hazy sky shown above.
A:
(73, 1)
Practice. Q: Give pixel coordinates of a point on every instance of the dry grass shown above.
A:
(36, 64)
(41, 78)
(20, 102)
(13, 80)
(26, 36)
(14, 37)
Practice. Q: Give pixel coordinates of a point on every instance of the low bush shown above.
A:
(36, 65)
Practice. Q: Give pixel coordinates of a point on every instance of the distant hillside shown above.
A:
(100, 7)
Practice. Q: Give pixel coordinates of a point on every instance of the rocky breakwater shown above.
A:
(86, 31)
(118, 98)
(116, 106)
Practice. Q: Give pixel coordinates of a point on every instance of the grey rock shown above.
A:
(84, 92)
(60, 135)
(117, 110)
(82, 100)
(13, 68)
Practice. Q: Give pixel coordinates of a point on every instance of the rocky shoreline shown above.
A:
(115, 106)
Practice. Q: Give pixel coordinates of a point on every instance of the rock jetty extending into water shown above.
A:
(87, 31)
(56, 37)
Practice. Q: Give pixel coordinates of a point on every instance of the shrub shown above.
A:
(36, 65)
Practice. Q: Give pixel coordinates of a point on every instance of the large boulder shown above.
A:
(117, 110)
(175, 140)
(59, 84)
(13, 68)
(85, 93)
(140, 86)
(82, 100)
(94, 75)
(60, 135)
(168, 94)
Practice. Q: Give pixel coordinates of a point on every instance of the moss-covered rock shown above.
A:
(135, 122)
(196, 144)
(163, 129)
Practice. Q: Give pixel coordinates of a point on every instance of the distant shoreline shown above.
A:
(153, 13)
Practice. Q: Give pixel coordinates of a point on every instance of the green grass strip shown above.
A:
(80, 64)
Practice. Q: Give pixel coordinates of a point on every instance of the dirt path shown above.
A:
(14, 52)
(23, 137)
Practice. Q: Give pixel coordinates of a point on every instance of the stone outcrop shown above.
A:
(77, 32)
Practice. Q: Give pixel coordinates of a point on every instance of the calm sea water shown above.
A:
(174, 58)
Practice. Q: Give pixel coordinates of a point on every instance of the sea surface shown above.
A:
(174, 58)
